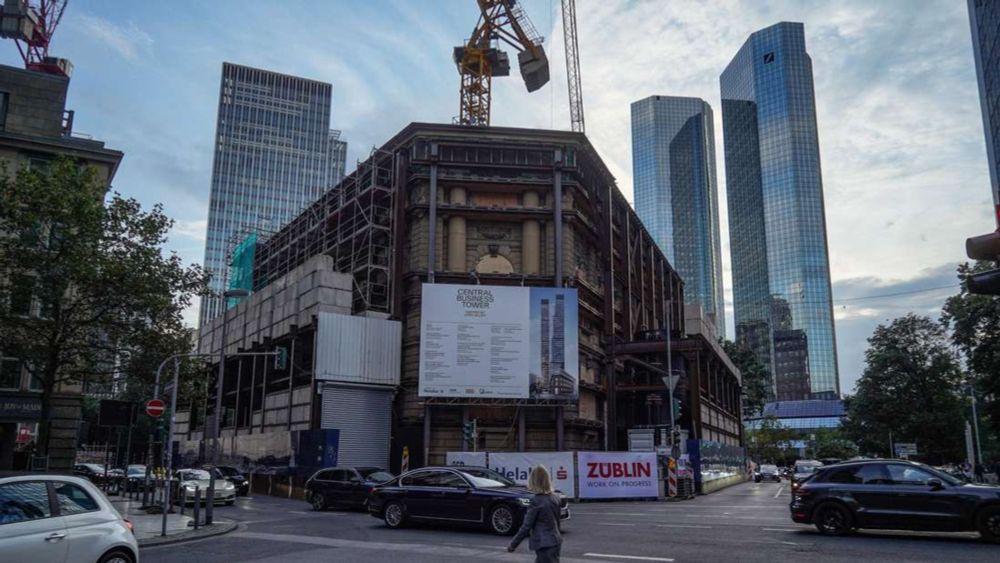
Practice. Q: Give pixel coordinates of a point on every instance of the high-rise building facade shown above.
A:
(777, 220)
(984, 18)
(273, 148)
(673, 170)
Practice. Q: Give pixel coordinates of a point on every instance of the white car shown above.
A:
(61, 519)
(192, 478)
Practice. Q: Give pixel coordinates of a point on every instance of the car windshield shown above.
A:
(768, 468)
(95, 467)
(228, 471)
(375, 474)
(136, 470)
(194, 475)
(486, 478)
(806, 468)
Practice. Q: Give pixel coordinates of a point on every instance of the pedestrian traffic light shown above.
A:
(984, 247)
(281, 357)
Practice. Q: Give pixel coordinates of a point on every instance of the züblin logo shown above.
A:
(475, 298)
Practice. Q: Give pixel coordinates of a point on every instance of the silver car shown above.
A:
(192, 480)
(61, 519)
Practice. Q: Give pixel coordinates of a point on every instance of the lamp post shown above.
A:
(216, 423)
(975, 424)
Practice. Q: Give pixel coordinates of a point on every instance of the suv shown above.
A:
(895, 495)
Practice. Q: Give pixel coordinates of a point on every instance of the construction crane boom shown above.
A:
(573, 66)
(480, 58)
(32, 28)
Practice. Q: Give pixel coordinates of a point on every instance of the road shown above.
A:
(748, 522)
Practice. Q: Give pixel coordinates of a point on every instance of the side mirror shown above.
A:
(935, 484)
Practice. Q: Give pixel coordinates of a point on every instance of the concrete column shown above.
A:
(531, 240)
(456, 234)
(432, 216)
(557, 194)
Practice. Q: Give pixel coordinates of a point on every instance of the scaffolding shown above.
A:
(353, 223)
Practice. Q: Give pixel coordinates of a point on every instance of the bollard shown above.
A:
(197, 505)
(210, 498)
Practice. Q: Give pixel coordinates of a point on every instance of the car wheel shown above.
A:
(394, 515)
(502, 520)
(318, 501)
(832, 519)
(116, 556)
(230, 502)
(989, 524)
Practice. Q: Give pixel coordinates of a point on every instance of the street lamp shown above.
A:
(228, 294)
(975, 423)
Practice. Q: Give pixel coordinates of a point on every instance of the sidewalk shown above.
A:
(148, 527)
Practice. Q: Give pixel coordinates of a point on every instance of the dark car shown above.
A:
(234, 476)
(95, 472)
(895, 495)
(343, 486)
(767, 473)
(476, 496)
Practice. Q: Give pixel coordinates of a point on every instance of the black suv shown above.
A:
(895, 495)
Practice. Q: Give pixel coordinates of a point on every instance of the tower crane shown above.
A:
(480, 58)
(573, 66)
(32, 27)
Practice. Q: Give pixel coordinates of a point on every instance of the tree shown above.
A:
(911, 388)
(755, 377)
(769, 440)
(85, 281)
(974, 321)
(831, 443)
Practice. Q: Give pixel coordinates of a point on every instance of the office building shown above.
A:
(274, 154)
(984, 18)
(673, 168)
(777, 221)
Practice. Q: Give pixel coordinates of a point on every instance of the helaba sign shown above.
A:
(617, 474)
(516, 466)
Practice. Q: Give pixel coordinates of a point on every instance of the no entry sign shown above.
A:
(155, 408)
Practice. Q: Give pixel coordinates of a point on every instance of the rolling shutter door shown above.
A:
(363, 415)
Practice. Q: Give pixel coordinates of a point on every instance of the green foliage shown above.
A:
(769, 442)
(756, 379)
(910, 387)
(974, 321)
(832, 443)
(104, 291)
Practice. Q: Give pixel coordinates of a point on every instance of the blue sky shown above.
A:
(900, 128)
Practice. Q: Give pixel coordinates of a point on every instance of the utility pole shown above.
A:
(975, 424)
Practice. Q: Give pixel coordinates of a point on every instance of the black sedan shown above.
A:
(475, 496)
(895, 495)
(343, 486)
(234, 476)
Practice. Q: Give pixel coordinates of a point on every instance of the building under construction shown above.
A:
(504, 206)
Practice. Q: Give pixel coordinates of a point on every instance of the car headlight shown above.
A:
(524, 501)
(189, 488)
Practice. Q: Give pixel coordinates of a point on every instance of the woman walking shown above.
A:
(542, 520)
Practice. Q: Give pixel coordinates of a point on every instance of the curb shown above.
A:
(218, 528)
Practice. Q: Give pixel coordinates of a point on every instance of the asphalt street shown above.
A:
(747, 522)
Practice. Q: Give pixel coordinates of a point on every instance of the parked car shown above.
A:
(94, 472)
(61, 519)
(767, 473)
(895, 494)
(343, 486)
(135, 478)
(803, 469)
(191, 480)
(234, 476)
(476, 496)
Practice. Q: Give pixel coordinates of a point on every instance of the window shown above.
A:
(872, 474)
(24, 501)
(4, 104)
(768, 58)
(74, 500)
(340, 475)
(10, 373)
(908, 475)
(20, 296)
(426, 479)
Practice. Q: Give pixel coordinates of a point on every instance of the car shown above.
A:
(192, 480)
(61, 519)
(343, 486)
(895, 495)
(463, 495)
(234, 476)
(803, 469)
(94, 472)
(767, 473)
(135, 478)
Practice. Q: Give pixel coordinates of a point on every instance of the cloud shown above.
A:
(128, 41)
(194, 230)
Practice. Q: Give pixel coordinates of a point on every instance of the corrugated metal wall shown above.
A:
(364, 417)
(358, 349)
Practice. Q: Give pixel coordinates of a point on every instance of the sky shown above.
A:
(900, 127)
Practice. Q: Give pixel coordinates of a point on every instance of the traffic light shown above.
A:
(984, 247)
(677, 408)
(469, 433)
(281, 357)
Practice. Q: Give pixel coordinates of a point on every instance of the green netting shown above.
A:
(241, 268)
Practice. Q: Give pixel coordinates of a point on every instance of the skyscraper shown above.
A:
(984, 18)
(273, 149)
(673, 168)
(777, 221)
(559, 335)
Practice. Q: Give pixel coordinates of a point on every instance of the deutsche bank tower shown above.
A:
(777, 221)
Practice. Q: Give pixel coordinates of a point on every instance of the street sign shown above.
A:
(23, 435)
(905, 449)
(155, 408)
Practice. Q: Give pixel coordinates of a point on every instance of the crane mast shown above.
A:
(573, 66)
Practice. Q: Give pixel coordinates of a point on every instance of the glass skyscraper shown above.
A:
(777, 221)
(274, 154)
(673, 171)
(984, 17)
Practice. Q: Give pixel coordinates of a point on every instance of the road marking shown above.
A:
(684, 526)
(631, 557)
(614, 524)
(316, 512)
(782, 529)
(781, 488)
